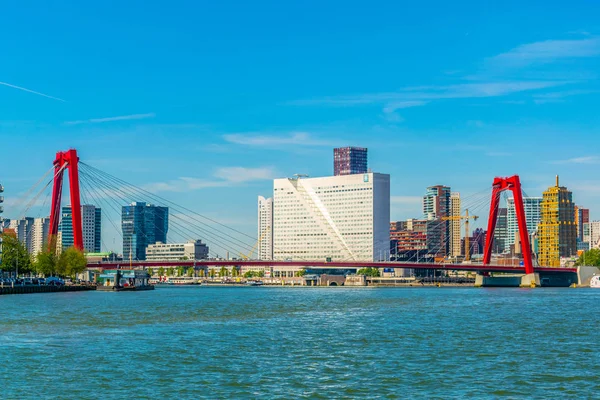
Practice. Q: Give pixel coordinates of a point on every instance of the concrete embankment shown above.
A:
(44, 289)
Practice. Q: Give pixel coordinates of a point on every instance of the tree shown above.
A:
(234, 272)
(71, 262)
(249, 274)
(301, 273)
(223, 271)
(151, 271)
(261, 274)
(190, 272)
(212, 273)
(15, 255)
(180, 271)
(373, 272)
(171, 272)
(161, 271)
(589, 258)
(46, 263)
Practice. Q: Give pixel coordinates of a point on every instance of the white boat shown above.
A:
(595, 282)
(184, 280)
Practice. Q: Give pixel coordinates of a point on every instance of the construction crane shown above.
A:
(260, 238)
(466, 217)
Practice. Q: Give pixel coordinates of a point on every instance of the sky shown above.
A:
(204, 103)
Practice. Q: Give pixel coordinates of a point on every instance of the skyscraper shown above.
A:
(335, 217)
(436, 205)
(582, 216)
(557, 232)
(265, 228)
(142, 224)
(532, 206)
(349, 160)
(39, 235)
(501, 232)
(455, 242)
(91, 227)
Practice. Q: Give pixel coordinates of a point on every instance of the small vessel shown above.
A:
(595, 282)
(254, 283)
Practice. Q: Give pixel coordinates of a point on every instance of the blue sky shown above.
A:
(206, 102)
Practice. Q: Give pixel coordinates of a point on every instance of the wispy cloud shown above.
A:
(547, 51)
(222, 177)
(111, 119)
(580, 160)
(30, 91)
(260, 140)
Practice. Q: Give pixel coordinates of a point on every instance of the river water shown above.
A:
(321, 343)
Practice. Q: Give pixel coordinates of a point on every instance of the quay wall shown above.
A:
(43, 289)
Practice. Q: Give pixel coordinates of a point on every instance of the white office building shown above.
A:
(455, 224)
(192, 250)
(591, 234)
(265, 228)
(342, 218)
(532, 206)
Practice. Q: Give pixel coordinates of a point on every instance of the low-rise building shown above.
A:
(192, 250)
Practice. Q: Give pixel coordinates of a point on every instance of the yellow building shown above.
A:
(557, 230)
(455, 248)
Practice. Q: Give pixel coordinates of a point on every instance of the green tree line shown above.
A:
(69, 263)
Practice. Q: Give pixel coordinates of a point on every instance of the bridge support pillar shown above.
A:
(504, 280)
(531, 280)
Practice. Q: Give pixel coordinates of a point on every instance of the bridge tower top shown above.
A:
(66, 160)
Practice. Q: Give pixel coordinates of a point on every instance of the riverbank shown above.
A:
(44, 289)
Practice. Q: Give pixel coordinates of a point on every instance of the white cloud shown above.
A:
(111, 119)
(293, 138)
(31, 91)
(547, 51)
(580, 160)
(241, 174)
(224, 177)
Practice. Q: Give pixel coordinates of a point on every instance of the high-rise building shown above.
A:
(455, 242)
(265, 228)
(142, 224)
(39, 235)
(532, 206)
(338, 218)
(91, 228)
(436, 205)
(349, 160)
(32, 232)
(557, 232)
(582, 216)
(501, 232)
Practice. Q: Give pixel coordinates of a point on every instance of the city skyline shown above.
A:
(505, 106)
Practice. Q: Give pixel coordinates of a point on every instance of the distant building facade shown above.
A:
(32, 232)
(192, 250)
(532, 206)
(343, 217)
(436, 205)
(142, 224)
(455, 224)
(349, 160)
(265, 228)
(91, 228)
(501, 231)
(557, 232)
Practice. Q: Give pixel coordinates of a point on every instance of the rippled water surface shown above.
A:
(201, 342)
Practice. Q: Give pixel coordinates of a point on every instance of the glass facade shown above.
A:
(142, 224)
(349, 160)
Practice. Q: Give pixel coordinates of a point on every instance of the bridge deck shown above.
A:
(330, 265)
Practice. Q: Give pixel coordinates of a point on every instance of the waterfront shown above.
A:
(242, 342)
